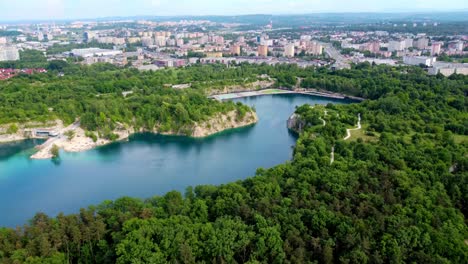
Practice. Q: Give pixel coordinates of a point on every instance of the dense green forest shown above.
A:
(95, 95)
(396, 193)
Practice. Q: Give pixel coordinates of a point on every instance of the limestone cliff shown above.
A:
(81, 142)
(248, 87)
(216, 124)
(223, 122)
(295, 123)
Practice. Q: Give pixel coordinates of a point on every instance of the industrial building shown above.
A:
(94, 52)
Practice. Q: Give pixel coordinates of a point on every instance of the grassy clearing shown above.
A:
(361, 133)
(460, 138)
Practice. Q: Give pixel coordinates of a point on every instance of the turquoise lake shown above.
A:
(146, 165)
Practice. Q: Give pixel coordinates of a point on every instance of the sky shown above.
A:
(17, 10)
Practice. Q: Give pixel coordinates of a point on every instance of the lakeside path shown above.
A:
(230, 96)
(235, 95)
(348, 131)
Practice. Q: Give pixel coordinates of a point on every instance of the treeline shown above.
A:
(399, 198)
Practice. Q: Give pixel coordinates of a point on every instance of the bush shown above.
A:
(12, 129)
(55, 151)
(91, 135)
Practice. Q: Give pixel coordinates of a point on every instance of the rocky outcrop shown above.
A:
(249, 87)
(295, 123)
(223, 122)
(216, 124)
(81, 142)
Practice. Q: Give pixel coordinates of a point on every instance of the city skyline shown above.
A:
(88, 9)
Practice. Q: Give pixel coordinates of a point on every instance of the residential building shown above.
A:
(435, 48)
(160, 41)
(262, 50)
(422, 43)
(89, 36)
(180, 42)
(289, 50)
(314, 48)
(214, 54)
(147, 41)
(408, 43)
(235, 50)
(396, 45)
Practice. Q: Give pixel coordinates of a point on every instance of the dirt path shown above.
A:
(332, 155)
(348, 131)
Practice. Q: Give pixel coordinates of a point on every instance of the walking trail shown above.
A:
(348, 131)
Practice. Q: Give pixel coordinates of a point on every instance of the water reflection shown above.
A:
(8, 150)
(146, 165)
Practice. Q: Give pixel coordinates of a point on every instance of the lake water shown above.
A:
(146, 165)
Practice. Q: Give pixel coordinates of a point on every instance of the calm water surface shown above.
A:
(147, 165)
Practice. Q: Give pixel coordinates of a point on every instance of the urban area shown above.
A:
(149, 45)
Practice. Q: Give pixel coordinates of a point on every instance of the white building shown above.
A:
(90, 35)
(314, 48)
(447, 68)
(111, 40)
(94, 52)
(436, 48)
(418, 60)
(408, 43)
(422, 43)
(160, 41)
(147, 41)
(396, 45)
(8, 53)
(289, 50)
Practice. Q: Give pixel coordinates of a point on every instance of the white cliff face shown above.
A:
(242, 88)
(223, 122)
(295, 123)
(80, 142)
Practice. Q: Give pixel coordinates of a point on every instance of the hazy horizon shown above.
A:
(31, 10)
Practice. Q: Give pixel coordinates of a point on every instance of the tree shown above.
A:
(55, 151)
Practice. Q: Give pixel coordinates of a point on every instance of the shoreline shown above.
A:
(80, 142)
(274, 91)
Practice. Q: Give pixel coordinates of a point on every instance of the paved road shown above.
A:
(341, 62)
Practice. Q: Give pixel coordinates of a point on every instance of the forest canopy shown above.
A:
(397, 194)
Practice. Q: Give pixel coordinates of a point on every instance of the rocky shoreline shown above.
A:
(295, 123)
(80, 142)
